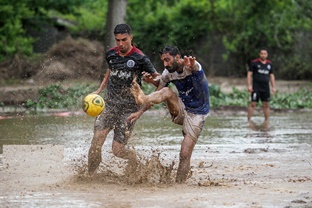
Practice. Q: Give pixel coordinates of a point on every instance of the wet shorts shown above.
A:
(116, 120)
(192, 124)
(264, 96)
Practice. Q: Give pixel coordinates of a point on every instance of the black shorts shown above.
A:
(116, 120)
(264, 96)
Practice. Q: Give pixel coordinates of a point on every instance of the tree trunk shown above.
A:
(115, 15)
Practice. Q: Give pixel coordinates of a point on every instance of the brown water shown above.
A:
(43, 163)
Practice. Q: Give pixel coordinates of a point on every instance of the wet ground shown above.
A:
(43, 163)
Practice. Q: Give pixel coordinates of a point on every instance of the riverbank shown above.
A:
(14, 95)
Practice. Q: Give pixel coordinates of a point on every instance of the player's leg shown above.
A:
(252, 105)
(163, 95)
(266, 111)
(95, 151)
(265, 98)
(122, 133)
(187, 147)
(192, 128)
(102, 126)
(122, 151)
(251, 109)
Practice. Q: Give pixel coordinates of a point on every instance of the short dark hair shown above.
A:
(263, 49)
(172, 50)
(122, 29)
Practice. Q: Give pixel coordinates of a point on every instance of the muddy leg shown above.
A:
(95, 151)
(251, 108)
(185, 159)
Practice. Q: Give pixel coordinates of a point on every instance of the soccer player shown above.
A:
(125, 62)
(189, 108)
(259, 75)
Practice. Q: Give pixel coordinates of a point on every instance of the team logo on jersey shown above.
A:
(130, 63)
(269, 67)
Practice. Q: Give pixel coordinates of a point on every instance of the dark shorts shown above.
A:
(257, 95)
(116, 120)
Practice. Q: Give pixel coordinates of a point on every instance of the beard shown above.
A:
(173, 68)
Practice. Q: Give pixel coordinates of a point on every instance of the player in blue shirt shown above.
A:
(189, 108)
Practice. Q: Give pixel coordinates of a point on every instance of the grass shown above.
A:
(55, 96)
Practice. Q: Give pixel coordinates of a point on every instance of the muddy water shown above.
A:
(230, 159)
(156, 129)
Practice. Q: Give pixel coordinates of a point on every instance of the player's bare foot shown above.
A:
(137, 92)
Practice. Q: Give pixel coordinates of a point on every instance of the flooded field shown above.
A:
(43, 163)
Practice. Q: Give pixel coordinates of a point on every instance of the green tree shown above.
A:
(249, 25)
(15, 15)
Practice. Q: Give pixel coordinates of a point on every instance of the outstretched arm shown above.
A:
(190, 62)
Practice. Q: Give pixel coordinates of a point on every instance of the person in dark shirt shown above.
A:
(189, 108)
(259, 76)
(125, 62)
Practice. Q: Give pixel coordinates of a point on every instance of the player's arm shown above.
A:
(272, 80)
(151, 78)
(136, 115)
(191, 63)
(104, 82)
(249, 81)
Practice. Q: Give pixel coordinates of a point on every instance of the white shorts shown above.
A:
(192, 124)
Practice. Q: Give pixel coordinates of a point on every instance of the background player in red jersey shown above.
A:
(260, 75)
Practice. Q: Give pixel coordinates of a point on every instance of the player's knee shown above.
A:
(253, 104)
(167, 92)
(117, 149)
(266, 105)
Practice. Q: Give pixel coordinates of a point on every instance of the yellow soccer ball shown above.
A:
(93, 105)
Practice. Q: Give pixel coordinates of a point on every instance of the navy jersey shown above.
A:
(261, 73)
(122, 72)
(192, 87)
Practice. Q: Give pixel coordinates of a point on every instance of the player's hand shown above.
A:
(250, 89)
(96, 92)
(134, 116)
(273, 91)
(147, 77)
(189, 61)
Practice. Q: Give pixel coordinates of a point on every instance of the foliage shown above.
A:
(300, 99)
(56, 96)
(273, 24)
(12, 39)
(90, 20)
(16, 15)
(168, 22)
(218, 98)
(242, 26)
